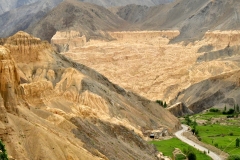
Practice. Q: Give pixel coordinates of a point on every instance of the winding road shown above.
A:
(179, 135)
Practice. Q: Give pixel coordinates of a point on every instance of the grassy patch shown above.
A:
(168, 146)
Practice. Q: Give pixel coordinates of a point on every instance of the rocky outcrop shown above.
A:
(10, 80)
(179, 110)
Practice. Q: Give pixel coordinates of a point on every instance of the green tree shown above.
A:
(165, 105)
(191, 156)
(3, 152)
(237, 142)
(188, 120)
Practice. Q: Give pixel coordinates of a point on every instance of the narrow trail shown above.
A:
(179, 135)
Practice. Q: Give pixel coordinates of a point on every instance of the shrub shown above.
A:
(237, 142)
(3, 153)
(230, 111)
(214, 110)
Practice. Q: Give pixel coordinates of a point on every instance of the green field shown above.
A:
(223, 137)
(168, 146)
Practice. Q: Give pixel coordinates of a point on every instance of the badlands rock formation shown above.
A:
(143, 62)
(146, 63)
(66, 110)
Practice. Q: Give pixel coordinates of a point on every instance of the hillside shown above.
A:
(191, 18)
(25, 16)
(217, 92)
(89, 19)
(12, 4)
(69, 111)
(16, 15)
(216, 73)
(110, 3)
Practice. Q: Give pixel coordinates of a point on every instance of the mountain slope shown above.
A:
(90, 20)
(219, 91)
(191, 18)
(23, 17)
(108, 3)
(12, 4)
(69, 111)
(215, 72)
